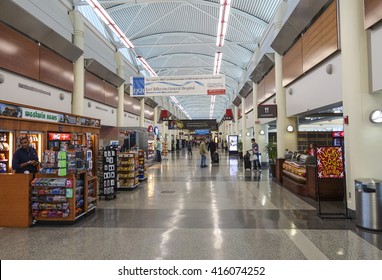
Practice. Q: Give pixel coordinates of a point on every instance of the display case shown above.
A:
(5, 151)
(58, 199)
(128, 164)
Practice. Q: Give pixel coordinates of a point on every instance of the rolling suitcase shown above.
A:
(215, 158)
(247, 161)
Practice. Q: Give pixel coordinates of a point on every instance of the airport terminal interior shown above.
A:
(187, 212)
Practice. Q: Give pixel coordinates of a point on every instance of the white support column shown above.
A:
(121, 89)
(142, 116)
(156, 115)
(244, 126)
(236, 123)
(79, 65)
(363, 151)
(285, 140)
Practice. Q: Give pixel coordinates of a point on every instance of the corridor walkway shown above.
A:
(186, 212)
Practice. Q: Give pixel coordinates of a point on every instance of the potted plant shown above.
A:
(240, 149)
(271, 150)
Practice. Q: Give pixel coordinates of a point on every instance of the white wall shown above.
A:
(316, 89)
(107, 114)
(131, 120)
(376, 59)
(50, 99)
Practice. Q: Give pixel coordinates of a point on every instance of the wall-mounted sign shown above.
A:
(59, 136)
(15, 111)
(338, 134)
(156, 130)
(164, 115)
(228, 115)
(267, 111)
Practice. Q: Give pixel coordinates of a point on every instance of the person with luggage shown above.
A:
(256, 155)
(212, 148)
(189, 147)
(203, 152)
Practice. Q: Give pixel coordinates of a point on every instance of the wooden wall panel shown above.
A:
(56, 70)
(94, 88)
(260, 91)
(321, 39)
(18, 54)
(292, 63)
(132, 105)
(270, 83)
(111, 95)
(373, 12)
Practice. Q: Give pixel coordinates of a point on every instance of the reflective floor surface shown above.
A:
(183, 211)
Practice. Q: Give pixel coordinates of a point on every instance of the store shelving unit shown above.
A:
(128, 170)
(142, 168)
(107, 173)
(164, 150)
(91, 193)
(58, 199)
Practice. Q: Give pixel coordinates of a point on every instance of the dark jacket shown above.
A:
(24, 155)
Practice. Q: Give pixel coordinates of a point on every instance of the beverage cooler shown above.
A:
(338, 138)
(58, 140)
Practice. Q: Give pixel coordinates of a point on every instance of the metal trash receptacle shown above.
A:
(368, 200)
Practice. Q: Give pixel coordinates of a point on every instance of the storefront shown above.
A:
(48, 132)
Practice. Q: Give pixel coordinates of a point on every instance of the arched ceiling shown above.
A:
(178, 37)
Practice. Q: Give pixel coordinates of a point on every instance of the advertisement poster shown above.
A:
(178, 85)
(330, 162)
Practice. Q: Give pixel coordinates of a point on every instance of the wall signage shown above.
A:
(267, 111)
(21, 112)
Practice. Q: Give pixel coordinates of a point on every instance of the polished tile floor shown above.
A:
(186, 212)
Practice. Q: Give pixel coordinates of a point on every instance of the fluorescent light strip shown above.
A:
(218, 61)
(147, 66)
(101, 12)
(223, 21)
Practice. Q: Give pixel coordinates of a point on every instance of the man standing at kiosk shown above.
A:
(25, 159)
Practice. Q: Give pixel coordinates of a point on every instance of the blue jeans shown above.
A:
(203, 162)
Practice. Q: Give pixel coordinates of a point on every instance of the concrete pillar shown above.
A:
(244, 126)
(79, 65)
(236, 123)
(363, 151)
(121, 89)
(142, 116)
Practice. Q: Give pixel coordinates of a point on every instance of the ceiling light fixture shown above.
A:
(101, 12)
(147, 66)
(223, 21)
(218, 61)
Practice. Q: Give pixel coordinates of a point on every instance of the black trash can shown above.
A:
(368, 201)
